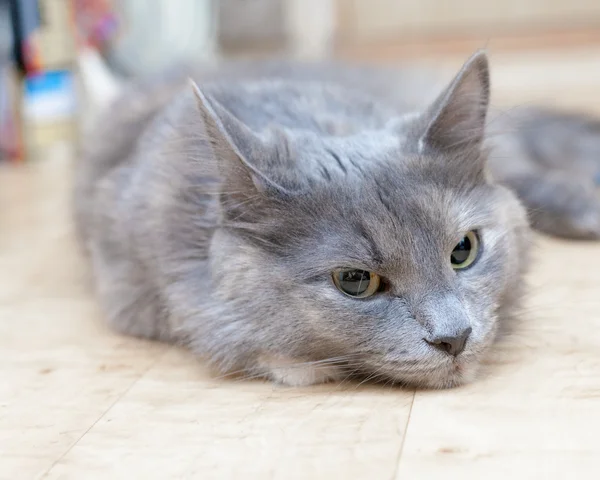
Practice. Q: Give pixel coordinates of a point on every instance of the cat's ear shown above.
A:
(456, 120)
(237, 149)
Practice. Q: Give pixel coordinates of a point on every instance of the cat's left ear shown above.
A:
(456, 120)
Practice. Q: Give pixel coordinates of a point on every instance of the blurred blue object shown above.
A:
(49, 97)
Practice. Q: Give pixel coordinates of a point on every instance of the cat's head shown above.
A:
(390, 248)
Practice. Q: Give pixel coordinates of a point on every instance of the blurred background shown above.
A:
(542, 50)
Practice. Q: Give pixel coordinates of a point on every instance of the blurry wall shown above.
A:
(366, 20)
(304, 28)
(359, 27)
(157, 32)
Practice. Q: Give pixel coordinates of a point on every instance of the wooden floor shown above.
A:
(77, 401)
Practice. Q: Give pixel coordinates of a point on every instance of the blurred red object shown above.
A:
(11, 139)
(96, 22)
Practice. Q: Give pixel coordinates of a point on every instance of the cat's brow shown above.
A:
(374, 253)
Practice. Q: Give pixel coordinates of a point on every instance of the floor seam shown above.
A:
(399, 458)
(110, 407)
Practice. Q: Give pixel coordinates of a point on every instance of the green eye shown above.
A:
(465, 252)
(356, 283)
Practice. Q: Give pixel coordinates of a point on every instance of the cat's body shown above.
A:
(217, 222)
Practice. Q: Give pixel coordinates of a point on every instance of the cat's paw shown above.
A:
(297, 373)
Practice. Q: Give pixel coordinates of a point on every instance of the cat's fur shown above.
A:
(214, 216)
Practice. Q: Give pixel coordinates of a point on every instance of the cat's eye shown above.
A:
(356, 283)
(465, 252)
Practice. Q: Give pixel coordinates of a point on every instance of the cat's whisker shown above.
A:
(352, 374)
(372, 377)
(377, 373)
(333, 361)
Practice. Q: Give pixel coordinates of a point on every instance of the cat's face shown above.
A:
(401, 267)
(402, 228)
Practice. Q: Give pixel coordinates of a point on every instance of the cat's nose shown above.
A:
(453, 344)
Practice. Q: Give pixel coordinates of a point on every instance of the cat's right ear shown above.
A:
(456, 120)
(237, 149)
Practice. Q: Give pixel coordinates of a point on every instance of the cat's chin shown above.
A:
(294, 373)
(452, 375)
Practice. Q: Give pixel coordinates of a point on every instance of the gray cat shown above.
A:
(306, 223)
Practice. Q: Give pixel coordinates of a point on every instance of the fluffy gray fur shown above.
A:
(213, 216)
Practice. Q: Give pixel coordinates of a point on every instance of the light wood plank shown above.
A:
(61, 368)
(178, 423)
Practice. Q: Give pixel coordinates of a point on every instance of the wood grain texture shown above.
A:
(78, 401)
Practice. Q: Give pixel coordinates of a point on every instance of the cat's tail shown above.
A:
(551, 160)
